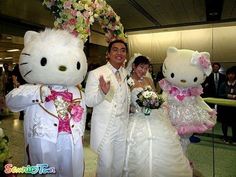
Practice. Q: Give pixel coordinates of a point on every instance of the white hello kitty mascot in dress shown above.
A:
(53, 63)
(184, 71)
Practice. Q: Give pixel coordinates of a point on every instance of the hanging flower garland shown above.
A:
(77, 16)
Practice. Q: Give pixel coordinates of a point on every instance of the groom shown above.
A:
(108, 93)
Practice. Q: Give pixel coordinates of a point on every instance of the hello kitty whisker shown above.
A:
(25, 54)
(28, 73)
(24, 63)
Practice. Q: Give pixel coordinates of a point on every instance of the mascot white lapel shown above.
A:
(184, 71)
(53, 63)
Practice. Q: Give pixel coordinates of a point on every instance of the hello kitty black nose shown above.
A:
(62, 68)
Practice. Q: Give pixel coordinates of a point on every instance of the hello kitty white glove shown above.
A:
(45, 92)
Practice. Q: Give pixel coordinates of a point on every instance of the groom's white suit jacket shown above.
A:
(104, 106)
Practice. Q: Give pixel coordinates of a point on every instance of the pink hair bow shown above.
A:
(202, 59)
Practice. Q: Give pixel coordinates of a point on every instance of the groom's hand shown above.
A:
(105, 86)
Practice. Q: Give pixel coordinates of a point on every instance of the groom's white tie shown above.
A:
(118, 77)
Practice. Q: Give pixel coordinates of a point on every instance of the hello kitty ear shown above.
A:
(206, 54)
(209, 69)
(80, 43)
(171, 50)
(29, 35)
(202, 60)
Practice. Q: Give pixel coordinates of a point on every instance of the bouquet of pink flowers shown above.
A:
(148, 99)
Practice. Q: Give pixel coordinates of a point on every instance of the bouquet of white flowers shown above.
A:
(148, 99)
(4, 149)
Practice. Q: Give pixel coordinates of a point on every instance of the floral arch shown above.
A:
(77, 16)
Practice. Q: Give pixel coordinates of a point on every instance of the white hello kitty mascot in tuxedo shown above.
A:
(53, 63)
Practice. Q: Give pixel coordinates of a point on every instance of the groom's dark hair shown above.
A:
(117, 41)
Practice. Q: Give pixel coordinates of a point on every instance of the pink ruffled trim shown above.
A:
(189, 129)
(165, 85)
(175, 91)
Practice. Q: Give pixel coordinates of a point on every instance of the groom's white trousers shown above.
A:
(112, 155)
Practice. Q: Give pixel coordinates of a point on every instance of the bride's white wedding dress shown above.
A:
(153, 145)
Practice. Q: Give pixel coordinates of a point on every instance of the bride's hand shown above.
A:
(105, 86)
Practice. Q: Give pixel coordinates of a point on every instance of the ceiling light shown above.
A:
(213, 13)
(13, 50)
(8, 58)
(9, 37)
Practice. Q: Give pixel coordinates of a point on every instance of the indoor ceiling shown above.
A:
(18, 16)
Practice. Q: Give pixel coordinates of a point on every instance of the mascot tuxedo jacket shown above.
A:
(41, 117)
(105, 107)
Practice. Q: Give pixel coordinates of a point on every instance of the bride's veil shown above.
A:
(131, 60)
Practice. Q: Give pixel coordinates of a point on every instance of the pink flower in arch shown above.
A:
(73, 12)
(67, 4)
(72, 21)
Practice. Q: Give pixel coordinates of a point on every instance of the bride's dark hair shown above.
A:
(141, 60)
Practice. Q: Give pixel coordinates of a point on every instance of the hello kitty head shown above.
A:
(186, 68)
(53, 57)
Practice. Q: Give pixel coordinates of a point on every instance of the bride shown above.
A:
(153, 146)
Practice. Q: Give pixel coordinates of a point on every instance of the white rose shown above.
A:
(130, 82)
(154, 95)
(1, 133)
(148, 88)
(147, 94)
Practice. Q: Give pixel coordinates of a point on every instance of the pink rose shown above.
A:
(72, 21)
(204, 62)
(196, 91)
(73, 12)
(76, 112)
(67, 5)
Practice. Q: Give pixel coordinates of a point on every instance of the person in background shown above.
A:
(227, 114)
(108, 93)
(211, 88)
(2, 102)
(159, 77)
(213, 82)
(18, 80)
(151, 71)
(7, 78)
(6, 87)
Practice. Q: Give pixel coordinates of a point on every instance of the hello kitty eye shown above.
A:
(172, 75)
(43, 61)
(78, 65)
(195, 79)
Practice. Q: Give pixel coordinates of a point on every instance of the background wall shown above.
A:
(220, 42)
